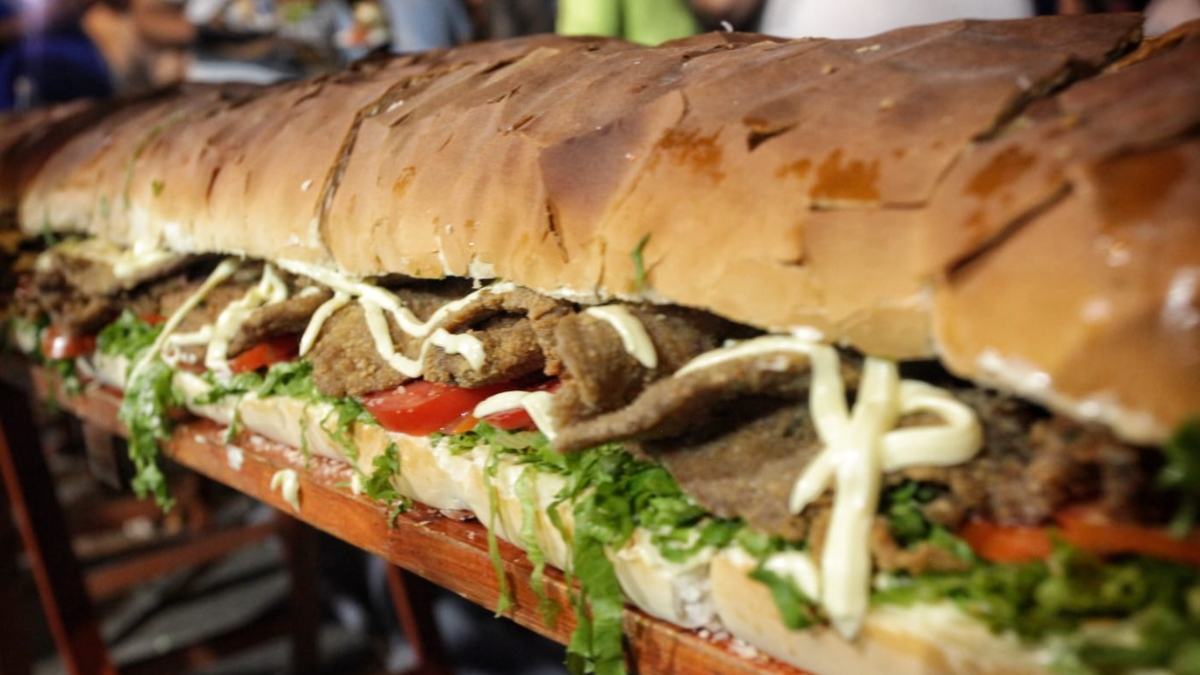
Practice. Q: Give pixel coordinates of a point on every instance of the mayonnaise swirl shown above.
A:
(222, 272)
(378, 304)
(860, 445)
(270, 290)
(537, 403)
(632, 332)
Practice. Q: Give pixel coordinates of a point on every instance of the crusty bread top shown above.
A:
(938, 190)
(28, 139)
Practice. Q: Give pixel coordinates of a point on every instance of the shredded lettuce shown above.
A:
(903, 506)
(639, 263)
(797, 609)
(489, 479)
(1181, 475)
(1039, 599)
(128, 336)
(378, 485)
(68, 376)
(293, 379)
(611, 494)
(145, 410)
(235, 426)
(526, 489)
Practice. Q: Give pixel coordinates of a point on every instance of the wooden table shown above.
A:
(448, 549)
(67, 593)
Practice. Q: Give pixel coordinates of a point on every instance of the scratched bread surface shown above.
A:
(951, 189)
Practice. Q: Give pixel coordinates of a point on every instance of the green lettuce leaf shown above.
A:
(146, 411)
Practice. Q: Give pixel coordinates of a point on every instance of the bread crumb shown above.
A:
(887, 103)
(743, 649)
(828, 69)
(235, 457)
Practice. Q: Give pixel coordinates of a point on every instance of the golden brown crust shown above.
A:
(883, 191)
(28, 139)
(1071, 251)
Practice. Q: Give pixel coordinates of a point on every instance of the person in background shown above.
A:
(861, 18)
(146, 45)
(265, 41)
(418, 25)
(45, 56)
(649, 22)
(501, 19)
(1163, 15)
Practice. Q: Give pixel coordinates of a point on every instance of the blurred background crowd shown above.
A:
(56, 50)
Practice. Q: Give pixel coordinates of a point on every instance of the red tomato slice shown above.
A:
(511, 420)
(1081, 526)
(1003, 544)
(420, 408)
(1087, 528)
(266, 354)
(57, 345)
(518, 418)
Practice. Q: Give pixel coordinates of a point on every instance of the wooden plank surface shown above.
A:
(447, 549)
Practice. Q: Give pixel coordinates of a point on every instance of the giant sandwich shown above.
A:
(877, 354)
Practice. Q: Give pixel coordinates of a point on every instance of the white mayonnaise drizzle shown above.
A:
(172, 353)
(222, 272)
(537, 403)
(326, 310)
(502, 402)
(467, 346)
(377, 325)
(144, 255)
(126, 264)
(800, 568)
(288, 484)
(199, 337)
(859, 447)
(633, 333)
(378, 302)
(269, 291)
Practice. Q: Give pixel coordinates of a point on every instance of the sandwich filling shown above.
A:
(851, 480)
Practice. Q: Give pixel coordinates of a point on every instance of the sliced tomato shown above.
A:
(266, 354)
(1085, 527)
(1088, 528)
(511, 420)
(58, 345)
(1002, 544)
(420, 408)
(518, 418)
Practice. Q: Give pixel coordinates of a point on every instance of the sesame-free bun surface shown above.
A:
(958, 190)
